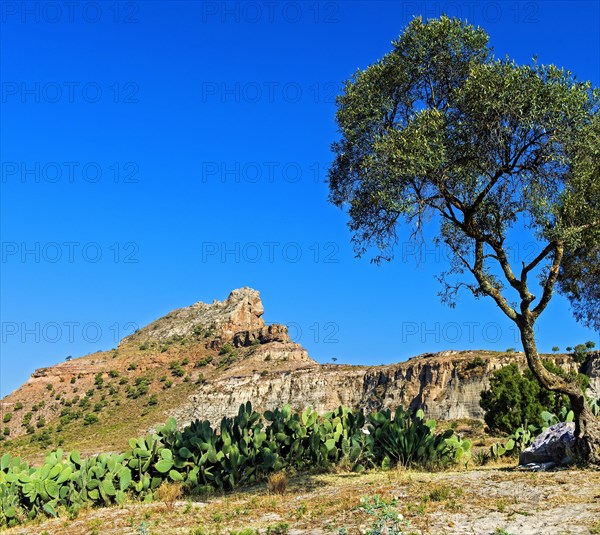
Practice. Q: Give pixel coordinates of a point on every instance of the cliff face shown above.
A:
(446, 385)
(204, 360)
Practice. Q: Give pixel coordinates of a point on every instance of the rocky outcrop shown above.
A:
(219, 321)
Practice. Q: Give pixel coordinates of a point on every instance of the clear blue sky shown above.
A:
(158, 154)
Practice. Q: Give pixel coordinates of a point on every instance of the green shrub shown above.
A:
(7, 417)
(580, 351)
(515, 397)
(226, 349)
(477, 362)
(90, 419)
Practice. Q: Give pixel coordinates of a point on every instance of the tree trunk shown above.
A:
(587, 426)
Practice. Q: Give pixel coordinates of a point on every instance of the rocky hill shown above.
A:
(202, 361)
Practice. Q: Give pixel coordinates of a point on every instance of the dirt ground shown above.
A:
(479, 501)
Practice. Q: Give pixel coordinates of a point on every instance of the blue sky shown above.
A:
(158, 154)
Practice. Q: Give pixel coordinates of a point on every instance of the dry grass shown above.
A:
(169, 493)
(277, 482)
(471, 501)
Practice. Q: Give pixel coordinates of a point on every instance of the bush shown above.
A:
(99, 381)
(477, 362)
(203, 362)
(176, 370)
(7, 417)
(580, 351)
(18, 406)
(515, 398)
(90, 419)
(226, 349)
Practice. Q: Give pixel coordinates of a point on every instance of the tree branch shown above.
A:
(487, 287)
(550, 282)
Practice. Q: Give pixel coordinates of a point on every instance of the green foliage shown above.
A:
(580, 351)
(229, 355)
(515, 397)
(7, 417)
(226, 349)
(477, 362)
(98, 380)
(203, 362)
(242, 450)
(411, 440)
(176, 369)
(90, 419)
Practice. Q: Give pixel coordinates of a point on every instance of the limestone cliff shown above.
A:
(446, 385)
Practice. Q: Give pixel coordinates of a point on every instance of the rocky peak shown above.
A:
(219, 321)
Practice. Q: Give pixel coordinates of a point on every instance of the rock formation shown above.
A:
(231, 356)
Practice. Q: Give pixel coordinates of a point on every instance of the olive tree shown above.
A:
(441, 133)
